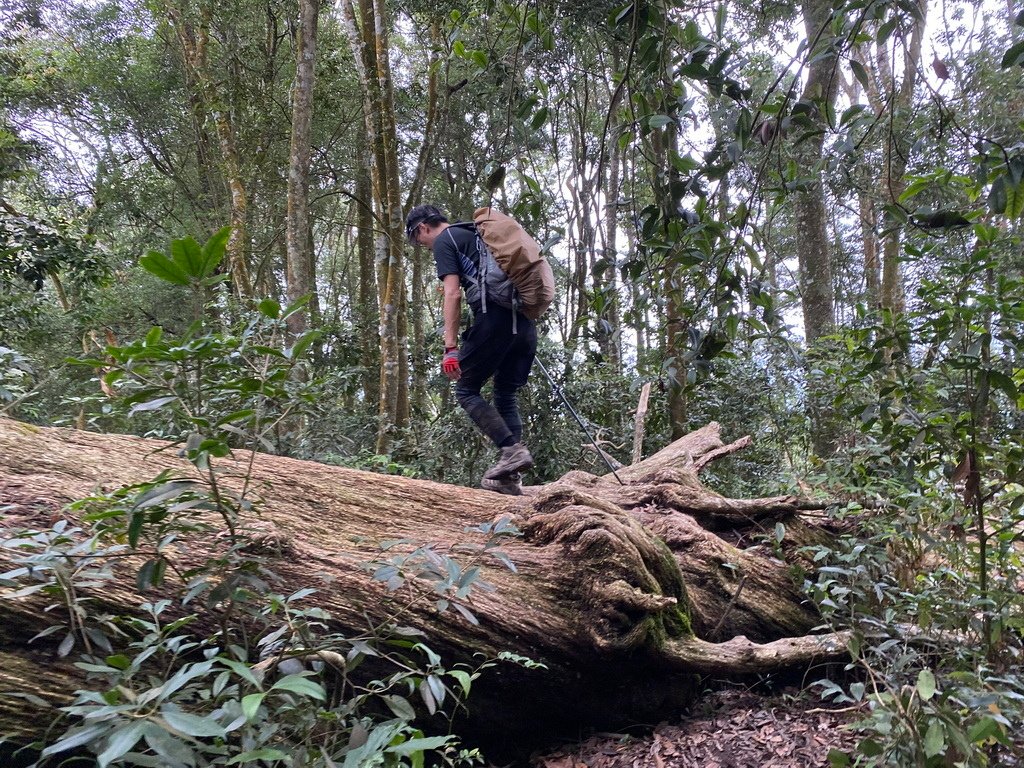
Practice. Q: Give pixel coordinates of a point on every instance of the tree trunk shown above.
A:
(812, 243)
(192, 27)
(299, 263)
(895, 159)
(367, 311)
(622, 591)
(368, 37)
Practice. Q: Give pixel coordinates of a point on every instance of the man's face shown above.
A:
(424, 235)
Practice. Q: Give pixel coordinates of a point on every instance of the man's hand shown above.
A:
(450, 364)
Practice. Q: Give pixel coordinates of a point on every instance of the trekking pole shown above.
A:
(558, 391)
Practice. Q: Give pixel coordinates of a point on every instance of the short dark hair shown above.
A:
(422, 214)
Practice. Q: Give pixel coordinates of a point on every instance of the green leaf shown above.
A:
(241, 669)
(623, 14)
(914, 188)
(120, 743)
(157, 264)
(214, 249)
(997, 196)
(935, 739)
(860, 73)
(479, 58)
(303, 343)
(266, 753)
(76, 737)
(151, 574)
(1013, 56)
(1005, 383)
(295, 306)
(983, 730)
(659, 121)
(1014, 200)
(885, 30)
(270, 308)
(419, 745)
(925, 684)
(301, 685)
(539, 118)
(870, 748)
(151, 405)
(251, 705)
(188, 255)
(464, 678)
(192, 725)
(400, 706)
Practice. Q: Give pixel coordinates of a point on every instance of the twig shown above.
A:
(728, 608)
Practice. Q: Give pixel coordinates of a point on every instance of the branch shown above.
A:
(740, 656)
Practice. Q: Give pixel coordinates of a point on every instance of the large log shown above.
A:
(621, 591)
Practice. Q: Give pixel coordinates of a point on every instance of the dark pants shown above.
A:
(489, 348)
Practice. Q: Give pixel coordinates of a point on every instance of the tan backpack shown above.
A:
(520, 258)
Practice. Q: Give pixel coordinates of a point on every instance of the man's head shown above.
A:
(424, 224)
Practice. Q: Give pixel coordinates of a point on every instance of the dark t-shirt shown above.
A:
(455, 254)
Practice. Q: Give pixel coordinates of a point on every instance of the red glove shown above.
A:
(450, 364)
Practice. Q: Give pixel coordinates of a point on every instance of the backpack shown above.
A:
(518, 258)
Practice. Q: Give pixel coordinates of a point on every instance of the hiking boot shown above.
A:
(515, 458)
(510, 486)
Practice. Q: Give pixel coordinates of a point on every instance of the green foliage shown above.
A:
(32, 249)
(15, 377)
(933, 587)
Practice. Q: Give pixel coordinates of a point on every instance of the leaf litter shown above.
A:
(728, 729)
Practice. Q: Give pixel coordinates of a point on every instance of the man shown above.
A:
(492, 347)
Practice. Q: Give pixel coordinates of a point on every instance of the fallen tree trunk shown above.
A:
(621, 590)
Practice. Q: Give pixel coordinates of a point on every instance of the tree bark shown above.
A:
(622, 591)
(895, 160)
(299, 263)
(193, 30)
(812, 242)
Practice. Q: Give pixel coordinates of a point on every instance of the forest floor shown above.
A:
(727, 729)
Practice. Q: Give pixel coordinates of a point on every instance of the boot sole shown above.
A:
(496, 486)
(510, 470)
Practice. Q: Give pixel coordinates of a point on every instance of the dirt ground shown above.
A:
(730, 729)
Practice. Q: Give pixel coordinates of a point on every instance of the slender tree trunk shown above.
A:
(895, 159)
(194, 37)
(367, 313)
(369, 40)
(299, 265)
(366, 194)
(421, 274)
(394, 406)
(812, 243)
(608, 282)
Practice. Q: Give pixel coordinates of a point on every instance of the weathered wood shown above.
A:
(641, 418)
(620, 590)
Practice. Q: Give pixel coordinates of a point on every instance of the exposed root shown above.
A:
(623, 580)
(740, 656)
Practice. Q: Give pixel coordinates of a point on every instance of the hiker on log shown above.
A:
(500, 343)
